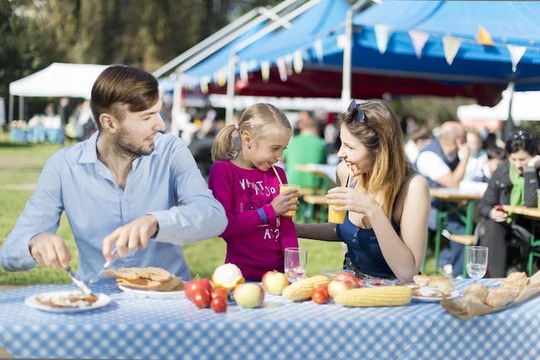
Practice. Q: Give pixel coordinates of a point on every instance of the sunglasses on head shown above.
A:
(521, 135)
(360, 116)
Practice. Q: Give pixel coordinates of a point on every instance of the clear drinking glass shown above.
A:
(477, 259)
(295, 263)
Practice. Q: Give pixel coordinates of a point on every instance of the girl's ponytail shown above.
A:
(225, 147)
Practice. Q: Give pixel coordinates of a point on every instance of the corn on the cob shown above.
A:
(375, 296)
(304, 288)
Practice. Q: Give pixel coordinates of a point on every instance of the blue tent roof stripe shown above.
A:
(478, 71)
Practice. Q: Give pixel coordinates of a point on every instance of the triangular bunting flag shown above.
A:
(288, 64)
(265, 71)
(483, 37)
(298, 61)
(318, 50)
(222, 77)
(516, 53)
(382, 34)
(204, 84)
(419, 39)
(244, 71)
(282, 69)
(451, 47)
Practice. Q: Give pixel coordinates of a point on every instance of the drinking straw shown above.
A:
(275, 172)
(350, 175)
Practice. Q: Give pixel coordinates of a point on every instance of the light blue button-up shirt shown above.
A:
(166, 184)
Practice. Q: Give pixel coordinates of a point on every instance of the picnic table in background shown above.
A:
(534, 214)
(465, 211)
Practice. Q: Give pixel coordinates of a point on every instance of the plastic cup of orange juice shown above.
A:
(335, 216)
(285, 187)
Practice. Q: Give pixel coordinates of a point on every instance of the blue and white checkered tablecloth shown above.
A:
(137, 328)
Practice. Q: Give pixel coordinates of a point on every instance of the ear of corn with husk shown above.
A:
(304, 288)
(375, 296)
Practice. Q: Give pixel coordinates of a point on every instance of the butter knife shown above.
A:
(104, 268)
(78, 281)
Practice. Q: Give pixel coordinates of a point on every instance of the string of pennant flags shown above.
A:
(294, 63)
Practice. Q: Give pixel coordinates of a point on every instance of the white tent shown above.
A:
(525, 106)
(56, 80)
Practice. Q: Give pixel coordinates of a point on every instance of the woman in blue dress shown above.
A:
(386, 202)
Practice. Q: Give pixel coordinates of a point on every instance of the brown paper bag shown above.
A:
(467, 310)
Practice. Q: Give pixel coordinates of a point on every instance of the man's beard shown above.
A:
(124, 147)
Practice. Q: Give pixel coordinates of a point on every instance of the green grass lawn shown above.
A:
(20, 166)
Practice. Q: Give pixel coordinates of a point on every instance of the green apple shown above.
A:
(274, 282)
(249, 295)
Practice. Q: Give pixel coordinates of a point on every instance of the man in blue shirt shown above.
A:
(128, 187)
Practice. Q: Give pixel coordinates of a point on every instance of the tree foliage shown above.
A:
(144, 33)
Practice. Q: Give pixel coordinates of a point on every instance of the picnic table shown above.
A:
(132, 327)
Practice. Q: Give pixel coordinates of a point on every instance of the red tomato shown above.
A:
(218, 304)
(197, 283)
(320, 295)
(360, 282)
(206, 284)
(189, 287)
(201, 298)
(220, 292)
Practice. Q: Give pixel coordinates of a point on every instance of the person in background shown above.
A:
(441, 165)
(477, 157)
(244, 179)
(418, 139)
(495, 157)
(128, 187)
(305, 148)
(63, 111)
(386, 201)
(513, 183)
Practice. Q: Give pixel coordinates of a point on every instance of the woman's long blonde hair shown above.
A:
(381, 134)
(256, 119)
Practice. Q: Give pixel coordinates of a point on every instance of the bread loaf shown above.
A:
(499, 297)
(516, 282)
(476, 292)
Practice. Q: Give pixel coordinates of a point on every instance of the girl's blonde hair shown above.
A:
(258, 120)
(380, 132)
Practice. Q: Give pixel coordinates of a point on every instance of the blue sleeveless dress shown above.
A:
(363, 250)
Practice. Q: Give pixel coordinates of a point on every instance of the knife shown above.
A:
(78, 281)
(105, 267)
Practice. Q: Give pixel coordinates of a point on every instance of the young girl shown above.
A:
(387, 203)
(243, 179)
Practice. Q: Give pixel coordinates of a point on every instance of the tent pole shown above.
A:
(347, 52)
(509, 123)
(231, 79)
(10, 116)
(21, 107)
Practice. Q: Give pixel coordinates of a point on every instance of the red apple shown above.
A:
(274, 282)
(336, 287)
(346, 276)
(249, 295)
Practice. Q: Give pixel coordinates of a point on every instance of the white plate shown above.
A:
(454, 294)
(153, 294)
(30, 301)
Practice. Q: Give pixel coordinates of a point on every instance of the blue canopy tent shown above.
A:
(450, 62)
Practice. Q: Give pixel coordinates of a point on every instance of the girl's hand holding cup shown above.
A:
(286, 202)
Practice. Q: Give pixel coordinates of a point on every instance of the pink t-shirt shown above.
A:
(251, 245)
